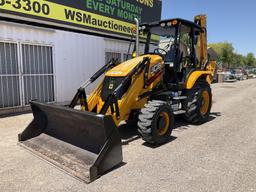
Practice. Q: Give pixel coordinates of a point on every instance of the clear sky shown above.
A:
(228, 20)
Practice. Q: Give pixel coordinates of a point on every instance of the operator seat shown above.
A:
(169, 63)
(184, 51)
(169, 57)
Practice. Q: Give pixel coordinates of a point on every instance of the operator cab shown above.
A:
(177, 45)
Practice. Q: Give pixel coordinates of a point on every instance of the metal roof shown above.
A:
(181, 21)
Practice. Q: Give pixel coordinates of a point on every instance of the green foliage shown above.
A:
(250, 60)
(238, 60)
(229, 58)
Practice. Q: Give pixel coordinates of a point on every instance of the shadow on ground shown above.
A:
(128, 131)
(13, 114)
(154, 146)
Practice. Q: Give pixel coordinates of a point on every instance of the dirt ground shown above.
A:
(219, 155)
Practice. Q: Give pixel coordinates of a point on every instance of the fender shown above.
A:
(194, 76)
(207, 75)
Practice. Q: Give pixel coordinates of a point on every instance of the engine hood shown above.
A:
(124, 68)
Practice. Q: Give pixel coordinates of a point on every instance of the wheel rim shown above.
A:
(163, 123)
(205, 102)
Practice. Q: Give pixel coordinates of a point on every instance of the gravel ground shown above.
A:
(217, 156)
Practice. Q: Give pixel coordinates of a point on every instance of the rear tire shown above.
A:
(156, 121)
(198, 104)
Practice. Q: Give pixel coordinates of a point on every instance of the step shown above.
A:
(180, 98)
(179, 112)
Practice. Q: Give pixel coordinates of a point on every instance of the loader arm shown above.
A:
(81, 93)
(112, 99)
(136, 80)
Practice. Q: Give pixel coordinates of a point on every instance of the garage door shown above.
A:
(37, 73)
(9, 75)
(26, 73)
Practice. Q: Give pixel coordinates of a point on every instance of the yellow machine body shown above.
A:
(130, 101)
(86, 143)
(206, 75)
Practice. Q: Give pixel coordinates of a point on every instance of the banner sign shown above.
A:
(109, 17)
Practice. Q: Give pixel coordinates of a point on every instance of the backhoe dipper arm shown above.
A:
(81, 93)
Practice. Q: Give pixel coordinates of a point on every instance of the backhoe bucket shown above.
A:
(83, 144)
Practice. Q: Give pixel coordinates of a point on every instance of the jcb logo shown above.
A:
(156, 68)
(111, 86)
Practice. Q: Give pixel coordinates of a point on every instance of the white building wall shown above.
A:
(113, 45)
(76, 56)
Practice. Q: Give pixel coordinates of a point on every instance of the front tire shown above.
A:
(156, 121)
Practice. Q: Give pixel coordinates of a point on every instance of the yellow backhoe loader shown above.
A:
(170, 79)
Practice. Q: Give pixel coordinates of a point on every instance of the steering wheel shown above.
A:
(160, 51)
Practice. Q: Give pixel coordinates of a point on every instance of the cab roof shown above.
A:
(178, 20)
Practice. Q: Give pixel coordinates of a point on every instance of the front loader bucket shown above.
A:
(83, 144)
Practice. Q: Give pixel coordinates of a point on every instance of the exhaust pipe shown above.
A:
(137, 37)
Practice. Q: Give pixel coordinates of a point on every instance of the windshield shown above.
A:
(163, 31)
(167, 38)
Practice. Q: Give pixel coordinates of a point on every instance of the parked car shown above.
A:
(230, 78)
(239, 76)
(250, 76)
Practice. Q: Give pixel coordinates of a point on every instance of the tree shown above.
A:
(217, 47)
(250, 60)
(225, 51)
(229, 58)
(227, 54)
(238, 60)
